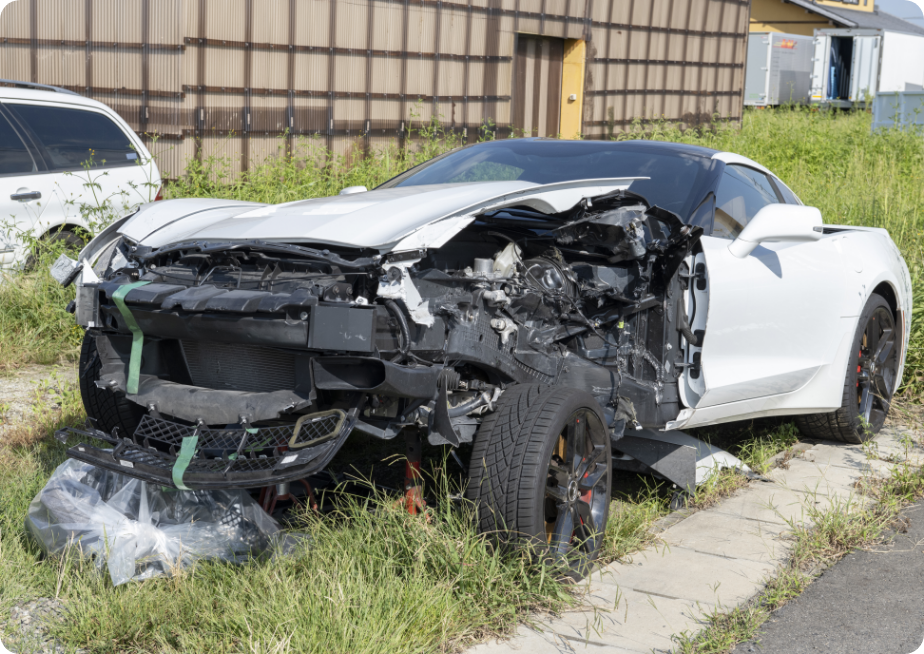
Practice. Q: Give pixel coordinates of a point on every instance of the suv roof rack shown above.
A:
(33, 85)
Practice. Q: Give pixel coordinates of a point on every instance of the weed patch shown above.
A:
(631, 519)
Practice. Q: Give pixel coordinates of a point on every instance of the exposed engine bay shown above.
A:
(267, 355)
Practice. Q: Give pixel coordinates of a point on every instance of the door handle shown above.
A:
(27, 195)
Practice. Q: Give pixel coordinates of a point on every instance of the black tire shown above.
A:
(870, 381)
(523, 491)
(107, 410)
(72, 241)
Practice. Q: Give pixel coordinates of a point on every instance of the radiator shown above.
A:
(229, 366)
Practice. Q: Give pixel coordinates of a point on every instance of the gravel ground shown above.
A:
(29, 623)
(20, 391)
(25, 629)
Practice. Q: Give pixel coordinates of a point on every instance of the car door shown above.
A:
(99, 170)
(771, 314)
(24, 191)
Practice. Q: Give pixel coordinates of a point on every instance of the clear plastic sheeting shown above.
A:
(140, 530)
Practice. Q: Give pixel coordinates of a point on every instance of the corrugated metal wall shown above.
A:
(352, 72)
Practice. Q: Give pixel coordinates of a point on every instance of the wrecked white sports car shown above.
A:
(533, 296)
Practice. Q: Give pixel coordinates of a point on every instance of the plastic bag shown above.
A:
(141, 530)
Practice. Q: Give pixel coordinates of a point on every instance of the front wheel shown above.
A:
(540, 474)
(872, 372)
(108, 410)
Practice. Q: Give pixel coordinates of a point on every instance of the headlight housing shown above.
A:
(110, 258)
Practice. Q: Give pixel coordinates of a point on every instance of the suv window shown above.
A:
(72, 138)
(742, 193)
(14, 156)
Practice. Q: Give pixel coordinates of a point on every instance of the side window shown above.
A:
(742, 193)
(14, 156)
(74, 138)
(788, 196)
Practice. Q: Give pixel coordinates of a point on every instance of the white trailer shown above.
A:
(779, 69)
(851, 64)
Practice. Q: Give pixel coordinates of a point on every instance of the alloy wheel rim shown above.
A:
(576, 487)
(876, 368)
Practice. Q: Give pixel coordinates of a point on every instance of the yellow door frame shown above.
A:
(571, 125)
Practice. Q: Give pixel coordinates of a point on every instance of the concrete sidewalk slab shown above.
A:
(625, 621)
(730, 536)
(899, 445)
(815, 478)
(842, 456)
(639, 622)
(769, 503)
(680, 573)
(827, 485)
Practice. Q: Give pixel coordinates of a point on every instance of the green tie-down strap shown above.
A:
(187, 451)
(134, 364)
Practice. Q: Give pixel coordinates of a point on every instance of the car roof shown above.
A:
(56, 97)
(666, 147)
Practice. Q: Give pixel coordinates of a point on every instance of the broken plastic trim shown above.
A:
(224, 458)
(312, 419)
(285, 248)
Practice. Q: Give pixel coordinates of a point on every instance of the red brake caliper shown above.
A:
(859, 367)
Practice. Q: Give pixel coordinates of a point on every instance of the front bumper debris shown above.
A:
(223, 458)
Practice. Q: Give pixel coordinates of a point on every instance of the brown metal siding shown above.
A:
(537, 85)
(351, 72)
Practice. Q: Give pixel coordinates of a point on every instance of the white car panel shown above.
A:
(160, 223)
(372, 219)
(23, 215)
(732, 158)
(774, 318)
(822, 390)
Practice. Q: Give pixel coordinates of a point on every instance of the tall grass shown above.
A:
(35, 326)
(305, 168)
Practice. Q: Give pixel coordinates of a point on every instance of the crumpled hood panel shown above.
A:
(374, 219)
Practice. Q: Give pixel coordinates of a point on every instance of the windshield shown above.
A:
(676, 178)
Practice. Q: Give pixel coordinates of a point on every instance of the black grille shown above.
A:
(170, 433)
(234, 367)
(224, 458)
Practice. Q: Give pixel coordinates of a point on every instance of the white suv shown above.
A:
(67, 164)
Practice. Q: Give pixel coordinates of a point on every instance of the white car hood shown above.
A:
(396, 218)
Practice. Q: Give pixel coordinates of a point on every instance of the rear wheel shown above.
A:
(870, 382)
(540, 473)
(69, 239)
(106, 409)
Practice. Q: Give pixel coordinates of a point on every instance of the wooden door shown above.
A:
(537, 85)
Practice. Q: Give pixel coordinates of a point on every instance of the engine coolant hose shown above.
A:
(468, 407)
(684, 328)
